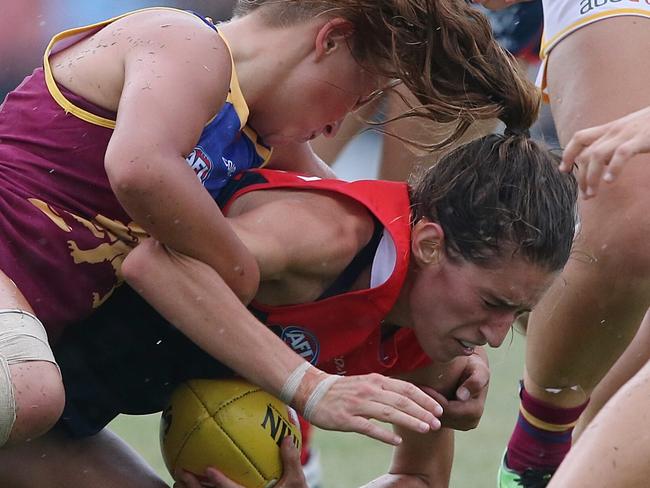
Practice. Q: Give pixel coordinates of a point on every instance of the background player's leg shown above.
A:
(612, 452)
(633, 359)
(592, 312)
(57, 461)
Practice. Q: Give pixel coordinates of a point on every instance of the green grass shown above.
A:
(350, 460)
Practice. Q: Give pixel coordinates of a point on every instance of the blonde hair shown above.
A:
(442, 50)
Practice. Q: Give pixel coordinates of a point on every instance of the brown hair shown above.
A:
(442, 50)
(500, 194)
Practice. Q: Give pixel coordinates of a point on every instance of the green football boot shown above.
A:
(531, 478)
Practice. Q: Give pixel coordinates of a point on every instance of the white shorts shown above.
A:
(563, 17)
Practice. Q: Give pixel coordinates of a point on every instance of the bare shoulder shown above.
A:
(305, 231)
(154, 47)
(166, 23)
(174, 32)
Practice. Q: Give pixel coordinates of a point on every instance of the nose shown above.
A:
(496, 330)
(332, 129)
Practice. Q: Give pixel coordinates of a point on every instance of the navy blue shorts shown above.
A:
(127, 359)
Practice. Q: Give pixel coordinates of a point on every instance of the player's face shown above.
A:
(315, 99)
(456, 305)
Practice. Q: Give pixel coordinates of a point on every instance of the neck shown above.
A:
(265, 56)
(400, 314)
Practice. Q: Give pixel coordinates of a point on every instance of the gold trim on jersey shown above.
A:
(545, 45)
(235, 95)
(263, 151)
(548, 45)
(237, 100)
(53, 88)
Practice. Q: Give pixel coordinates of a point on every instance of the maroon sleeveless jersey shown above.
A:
(342, 334)
(64, 234)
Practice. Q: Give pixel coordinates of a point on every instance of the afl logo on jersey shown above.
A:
(200, 162)
(302, 342)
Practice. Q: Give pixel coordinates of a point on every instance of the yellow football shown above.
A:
(230, 424)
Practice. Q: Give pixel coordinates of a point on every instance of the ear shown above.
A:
(333, 35)
(427, 239)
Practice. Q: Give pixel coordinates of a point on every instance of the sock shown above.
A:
(542, 437)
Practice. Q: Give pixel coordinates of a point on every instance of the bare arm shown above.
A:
(420, 462)
(425, 460)
(193, 297)
(176, 78)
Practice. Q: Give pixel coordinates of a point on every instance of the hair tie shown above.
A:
(516, 132)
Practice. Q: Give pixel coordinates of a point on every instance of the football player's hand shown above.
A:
(601, 152)
(292, 476)
(353, 401)
(465, 410)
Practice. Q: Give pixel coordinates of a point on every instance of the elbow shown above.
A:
(127, 178)
(139, 263)
(143, 266)
(245, 279)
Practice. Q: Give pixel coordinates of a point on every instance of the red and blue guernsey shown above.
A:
(64, 234)
(341, 332)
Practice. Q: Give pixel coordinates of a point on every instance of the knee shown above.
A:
(39, 398)
(31, 389)
(615, 255)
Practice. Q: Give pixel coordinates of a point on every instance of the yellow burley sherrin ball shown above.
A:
(230, 424)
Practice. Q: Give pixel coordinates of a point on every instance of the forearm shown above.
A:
(194, 298)
(198, 302)
(397, 481)
(176, 210)
(420, 461)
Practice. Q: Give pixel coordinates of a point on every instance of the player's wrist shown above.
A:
(305, 387)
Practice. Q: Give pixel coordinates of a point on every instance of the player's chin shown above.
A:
(443, 354)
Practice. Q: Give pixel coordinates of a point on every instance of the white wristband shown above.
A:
(317, 395)
(292, 383)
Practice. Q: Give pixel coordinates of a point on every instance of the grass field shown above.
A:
(350, 460)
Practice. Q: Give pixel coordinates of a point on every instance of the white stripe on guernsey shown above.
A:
(384, 262)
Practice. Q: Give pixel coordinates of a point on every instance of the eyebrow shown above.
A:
(504, 303)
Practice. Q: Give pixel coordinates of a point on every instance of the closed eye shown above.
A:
(489, 304)
(505, 306)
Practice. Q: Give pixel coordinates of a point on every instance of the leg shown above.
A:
(611, 452)
(595, 307)
(633, 359)
(55, 460)
(32, 391)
